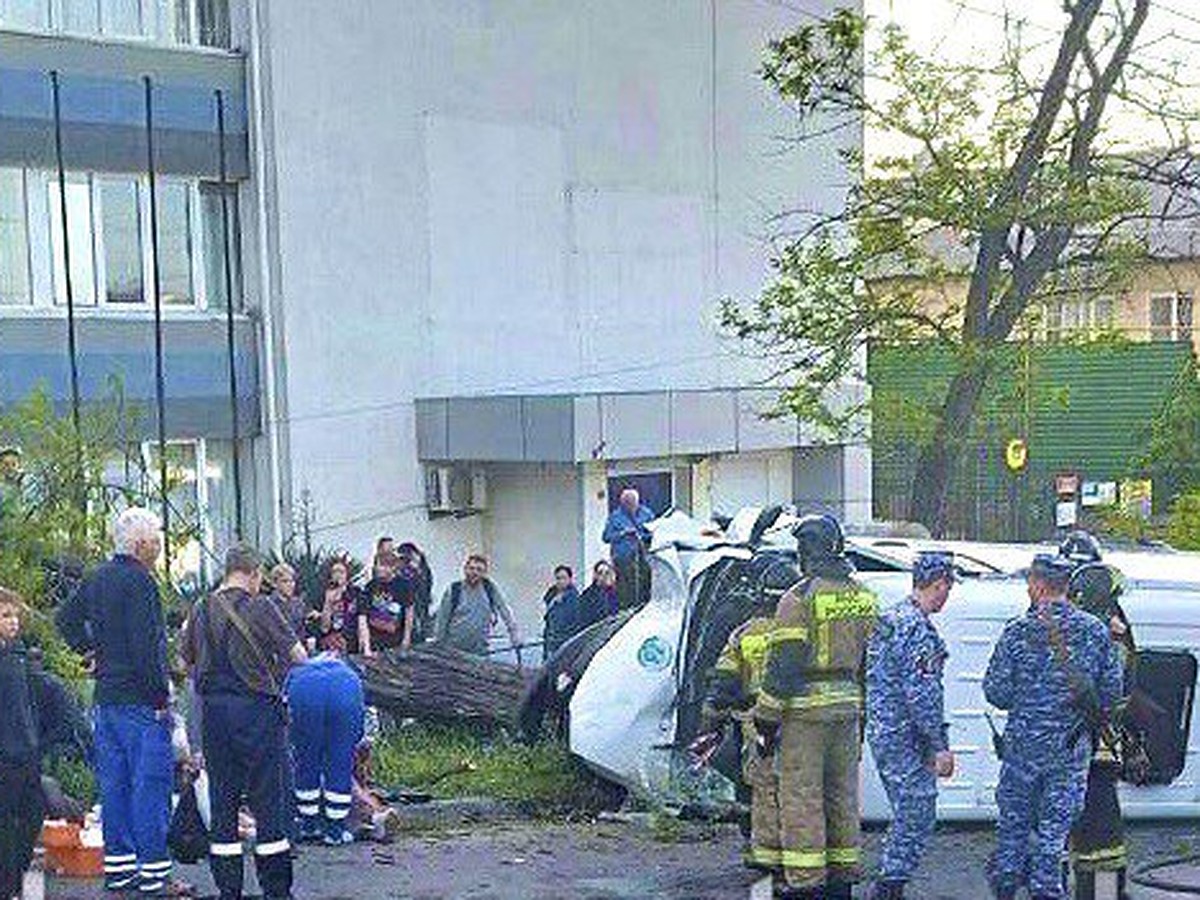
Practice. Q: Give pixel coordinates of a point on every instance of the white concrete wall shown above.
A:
(749, 479)
(506, 195)
(532, 525)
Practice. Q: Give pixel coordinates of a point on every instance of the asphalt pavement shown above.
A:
(604, 860)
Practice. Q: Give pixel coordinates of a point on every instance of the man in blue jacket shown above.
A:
(1057, 672)
(627, 536)
(906, 718)
(134, 761)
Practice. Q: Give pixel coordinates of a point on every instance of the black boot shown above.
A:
(887, 890)
(1122, 892)
(837, 890)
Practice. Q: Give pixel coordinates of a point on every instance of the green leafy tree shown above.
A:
(1011, 179)
(57, 500)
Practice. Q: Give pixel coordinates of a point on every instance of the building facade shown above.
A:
(477, 250)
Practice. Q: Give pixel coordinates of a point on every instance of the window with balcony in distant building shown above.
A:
(14, 241)
(204, 23)
(1171, 316)
(107, 241)
(1077, 317)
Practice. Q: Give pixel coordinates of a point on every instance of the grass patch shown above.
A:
(450, 761)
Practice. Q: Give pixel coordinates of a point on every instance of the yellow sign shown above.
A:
(1016, 454)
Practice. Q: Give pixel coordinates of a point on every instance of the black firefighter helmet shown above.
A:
(1094, 587)
(819, 539)
(1080, 547)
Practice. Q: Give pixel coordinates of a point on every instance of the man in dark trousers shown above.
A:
(134, 760)
(627, 536)
(239, 647)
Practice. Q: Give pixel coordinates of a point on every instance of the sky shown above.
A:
(961, 30)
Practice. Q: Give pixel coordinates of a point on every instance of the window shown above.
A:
(122, 18)
(174, 21)
(212, 19)
(80, 234)
(80, 17)
(202, 504)
(203, 22)
(1076, 316)
(14, 239)
(33, 14)
(214, 243)
(108, 241)
(1171, 316)
(175, 242)
(120, 225)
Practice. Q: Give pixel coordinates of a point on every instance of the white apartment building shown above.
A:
(478, 251)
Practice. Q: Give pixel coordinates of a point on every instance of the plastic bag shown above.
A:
(187, 838)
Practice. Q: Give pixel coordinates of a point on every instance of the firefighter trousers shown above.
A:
(758, 771)
(1097, 838)
(818, 760)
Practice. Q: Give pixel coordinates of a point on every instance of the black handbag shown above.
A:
(187, 838)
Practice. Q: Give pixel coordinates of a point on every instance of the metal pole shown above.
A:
(72, 346)
(229, 336)
(156, 287)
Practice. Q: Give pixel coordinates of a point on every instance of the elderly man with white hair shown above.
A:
(628, 537)
(134, 759)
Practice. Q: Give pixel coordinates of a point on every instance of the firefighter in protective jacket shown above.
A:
(732, 692)
(1097, 840)
(808, 711)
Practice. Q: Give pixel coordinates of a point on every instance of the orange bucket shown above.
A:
(66, 856)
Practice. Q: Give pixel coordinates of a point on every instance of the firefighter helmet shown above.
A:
(819, 538)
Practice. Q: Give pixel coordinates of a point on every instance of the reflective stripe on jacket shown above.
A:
(814, 659)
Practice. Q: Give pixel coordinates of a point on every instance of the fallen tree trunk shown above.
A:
(440, 684)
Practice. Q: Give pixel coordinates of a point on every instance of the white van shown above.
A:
(634, 699)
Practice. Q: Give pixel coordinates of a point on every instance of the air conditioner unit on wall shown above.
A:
(479, 489)
(437, 489)
(455, 490)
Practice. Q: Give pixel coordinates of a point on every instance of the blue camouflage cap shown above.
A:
(931, 565)
(1054, 570)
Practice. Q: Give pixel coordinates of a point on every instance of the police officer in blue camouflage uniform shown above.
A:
(906, 719)
(1056, 671)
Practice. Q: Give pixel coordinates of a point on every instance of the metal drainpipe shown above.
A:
(262, 163)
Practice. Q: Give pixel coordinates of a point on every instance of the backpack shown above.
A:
(456, 596)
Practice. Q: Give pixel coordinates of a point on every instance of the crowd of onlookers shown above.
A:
(389, 606)
(277, 724)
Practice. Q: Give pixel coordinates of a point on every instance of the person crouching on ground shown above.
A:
(325, 700)
(240, 646)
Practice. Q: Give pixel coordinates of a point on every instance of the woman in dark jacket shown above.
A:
(599, 600)
(414, 566)
(562, 611)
